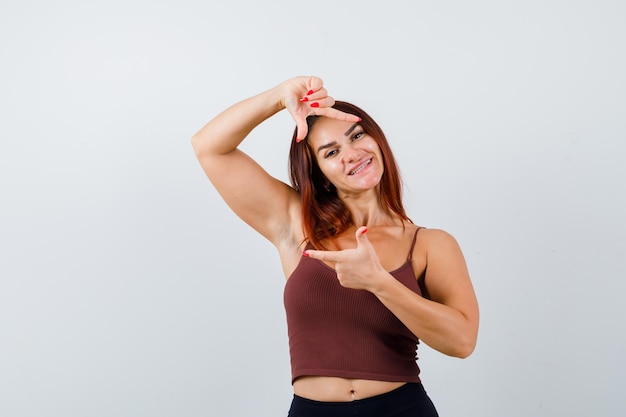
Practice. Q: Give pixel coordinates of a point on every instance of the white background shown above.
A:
(127, 287)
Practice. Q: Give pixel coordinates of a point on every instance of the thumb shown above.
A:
(302, 128)
(361, 238)
(315, 83)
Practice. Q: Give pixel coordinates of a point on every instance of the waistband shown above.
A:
(386, 404)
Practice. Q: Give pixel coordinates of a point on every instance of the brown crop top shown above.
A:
(342, 332)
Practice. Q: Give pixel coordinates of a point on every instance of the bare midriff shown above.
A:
(324, 388)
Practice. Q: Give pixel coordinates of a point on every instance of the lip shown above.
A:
(359, 167)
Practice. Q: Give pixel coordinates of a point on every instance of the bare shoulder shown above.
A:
(434, 234)
(445, 271)
(436, 240)
(431, 247)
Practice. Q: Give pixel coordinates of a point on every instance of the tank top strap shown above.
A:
(410, 256)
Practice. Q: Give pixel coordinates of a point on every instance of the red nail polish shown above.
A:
(364, 230)
(305, 253)
(309, 92)
(304, 99)
(359, 119)
(316, 104)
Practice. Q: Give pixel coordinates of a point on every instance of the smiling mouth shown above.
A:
(360, 167)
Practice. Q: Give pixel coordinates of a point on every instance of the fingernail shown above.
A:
(305, 253)
(364, 230)
(316, 104)
(359, 119)
(303, 99)
(308, 93)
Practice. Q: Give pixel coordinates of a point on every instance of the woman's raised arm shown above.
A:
(265, 203)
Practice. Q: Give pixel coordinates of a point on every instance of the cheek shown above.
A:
(323, 165)
(328, 168)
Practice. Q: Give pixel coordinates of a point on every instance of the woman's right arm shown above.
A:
(265, 203)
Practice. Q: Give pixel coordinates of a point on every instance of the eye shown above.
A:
(330, 153)
(357, 135)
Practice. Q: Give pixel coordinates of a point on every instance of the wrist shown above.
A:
(278, 96)
(380, 282)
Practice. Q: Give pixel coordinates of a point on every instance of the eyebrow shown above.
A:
(351, 129)
(333, 143)
(327, 145)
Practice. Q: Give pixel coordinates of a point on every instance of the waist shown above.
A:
(335, 389)
(408, 400)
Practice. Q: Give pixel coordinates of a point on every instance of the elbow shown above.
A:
(466, 339)
(195, 144)
(463, 348)
(464, 352)
(200, 147)
(204, 147)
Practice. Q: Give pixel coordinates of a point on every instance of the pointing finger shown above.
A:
(337, 114)
(322, 255)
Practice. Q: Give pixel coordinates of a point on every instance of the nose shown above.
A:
(350, 153)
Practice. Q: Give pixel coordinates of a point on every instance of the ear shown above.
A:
(327, 184)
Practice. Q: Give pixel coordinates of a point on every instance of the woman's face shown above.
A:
(348, 157)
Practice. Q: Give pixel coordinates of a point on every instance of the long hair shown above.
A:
(324, 215)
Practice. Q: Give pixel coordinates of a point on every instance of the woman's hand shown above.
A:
(306, 96)
(357, 268)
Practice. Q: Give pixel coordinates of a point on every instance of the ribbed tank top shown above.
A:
(348, 333)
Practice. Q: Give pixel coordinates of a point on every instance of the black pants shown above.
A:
(409, 400)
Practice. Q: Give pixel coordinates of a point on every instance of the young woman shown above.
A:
(364, 283)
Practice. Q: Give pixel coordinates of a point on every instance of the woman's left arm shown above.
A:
(448, 321)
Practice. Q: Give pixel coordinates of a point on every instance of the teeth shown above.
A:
(366, 163)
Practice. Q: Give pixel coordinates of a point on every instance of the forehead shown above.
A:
(326, 130)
